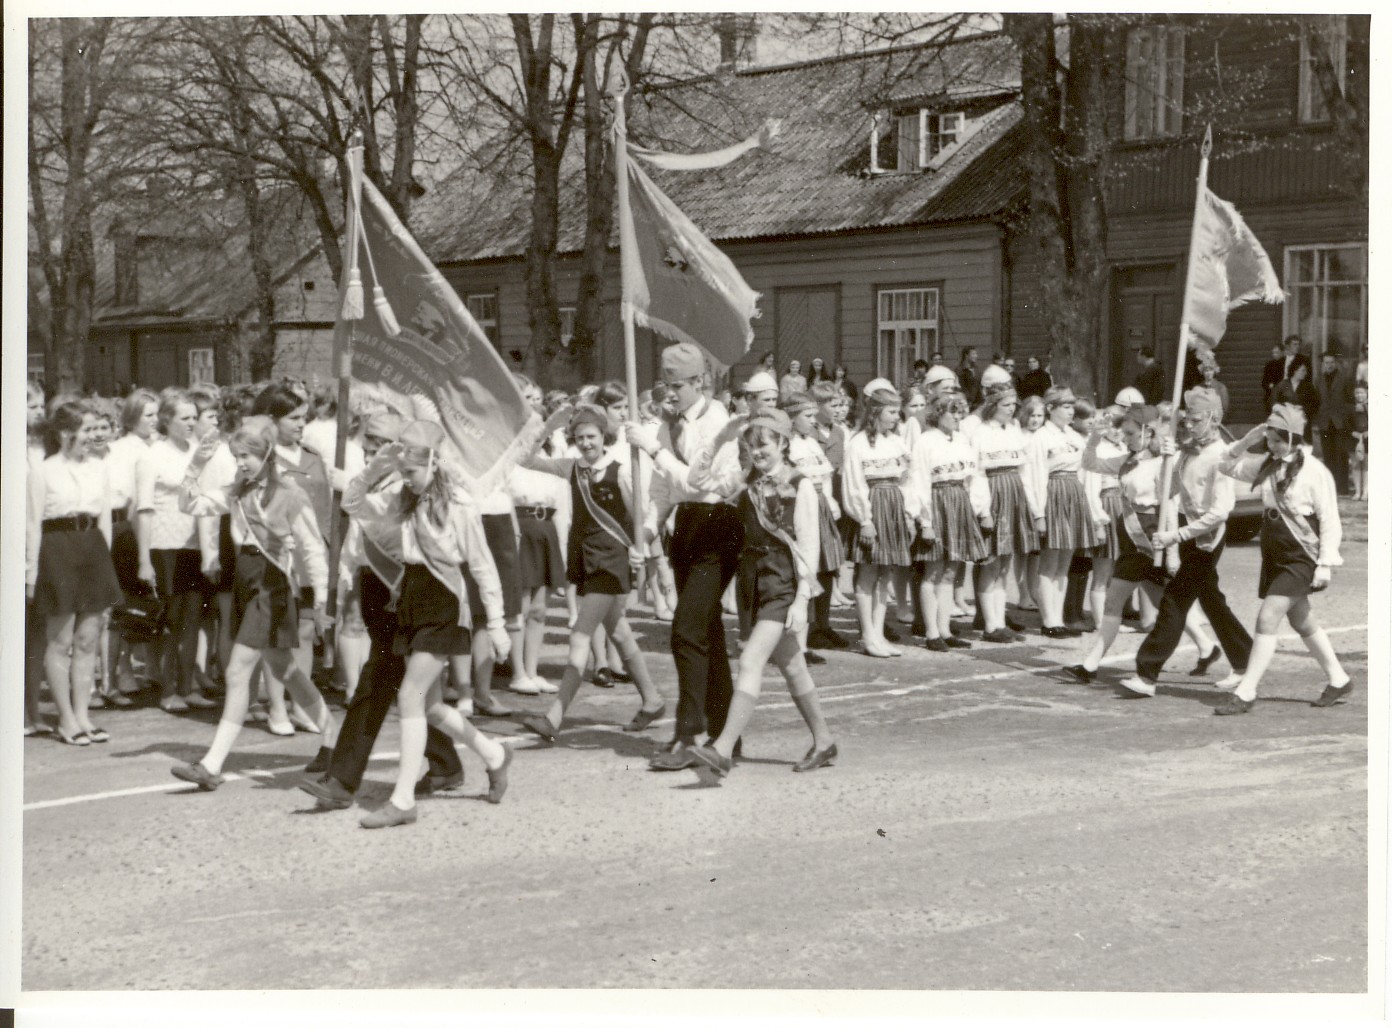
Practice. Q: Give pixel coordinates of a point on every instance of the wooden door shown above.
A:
(807, 324)
(156, 362)
(1145, 313)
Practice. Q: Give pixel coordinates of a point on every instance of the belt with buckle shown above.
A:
(75, 523)
(1272, 514)
(540, 513)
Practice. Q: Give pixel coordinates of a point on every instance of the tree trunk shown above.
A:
(66, 361)
(1066, 166)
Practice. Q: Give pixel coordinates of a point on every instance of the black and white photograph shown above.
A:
(526, 516)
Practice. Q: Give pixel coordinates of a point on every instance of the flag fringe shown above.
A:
(676, 334)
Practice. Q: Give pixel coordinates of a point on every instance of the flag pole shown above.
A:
(350, 298)
(1168, 516)
(618, 88)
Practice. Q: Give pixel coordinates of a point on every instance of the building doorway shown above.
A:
(1144, 313)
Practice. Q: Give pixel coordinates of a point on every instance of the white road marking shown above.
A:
(988, 676)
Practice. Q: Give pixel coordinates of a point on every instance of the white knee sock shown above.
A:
(1263, 649)
(1317, 642)
(227, 732)
(1107, 629)
(458, 726)
(403, 797)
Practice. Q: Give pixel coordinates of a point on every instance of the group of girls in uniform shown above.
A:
(215, 510)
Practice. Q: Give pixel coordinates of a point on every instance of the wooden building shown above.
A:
(884, 225)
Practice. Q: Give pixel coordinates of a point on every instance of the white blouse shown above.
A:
(1312, 493)
(938, 457)
(808, 458)
(1053, 450)
(1006, 446)
(122, 459)
(885, 459)
(1141, 485)
(60, 488)
(158, 477)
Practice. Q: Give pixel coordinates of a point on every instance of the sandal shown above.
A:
(98, 735)
(491, 709)
(80, 739)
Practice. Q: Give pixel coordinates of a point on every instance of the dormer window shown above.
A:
(923, 138)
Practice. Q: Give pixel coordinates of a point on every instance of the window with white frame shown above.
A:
(1154, 82)
(567, 325)
(484, 308)
(1331, 33)
(1327, 304)
(906, 330)
(924, 134)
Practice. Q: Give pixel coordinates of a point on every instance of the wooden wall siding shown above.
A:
(965, 259)
(1152, 239)
(1288, 167)
(305, 353)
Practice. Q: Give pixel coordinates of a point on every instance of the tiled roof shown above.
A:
(814, 180)
(196, 267)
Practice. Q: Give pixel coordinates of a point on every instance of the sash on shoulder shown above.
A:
(778, 532)
(600, 515)
(271, 546)
(1299, 526)
(446, 572)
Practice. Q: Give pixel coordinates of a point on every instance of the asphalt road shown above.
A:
(990, 826)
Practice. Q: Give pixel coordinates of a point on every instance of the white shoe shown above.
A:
(1138, 686)
(465, 706)
(280, 727)
(1233, 680)
(544, 686)
(1126, 629)
(525, 686)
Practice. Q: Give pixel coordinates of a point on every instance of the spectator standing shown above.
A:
(793, 381)
(1036, 381)
(842, 379)
(1297, 390)
(1150, 380)
(817, 372)
(968, 378)
(1209, 371)
(1335, 405)
(1272, 372)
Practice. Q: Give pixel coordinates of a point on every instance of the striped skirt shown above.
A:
(957, 536)
(1067, 518)
(1110, 546)
(1015, 533)
(832, 555)
(892, 535)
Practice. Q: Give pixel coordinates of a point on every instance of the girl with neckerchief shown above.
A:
(1300, 538)
(1017, 509)
(778, 577)
(600, 562)
(441, 537)
(1055, 459)
(276, 536)
(953, 505)
(810, 461)
(69, 576)
(169, 557)
(297, 463)
(873, 474)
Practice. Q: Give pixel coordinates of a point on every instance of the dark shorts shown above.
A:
(265, 614)
(178, 572)
(427, 617)
(502, 544)
(1286, 569)
(539, 559)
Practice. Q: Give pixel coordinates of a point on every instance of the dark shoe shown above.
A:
(432, 784)
(198, 775)
(620, 676)
(1059, 632)
(813, 658)
(677, 757)
(490, 709)
(999, 635)
(953, 643)
(936, 645)
(827, 639)
(1014, 625)
(321, 761)
(539, 725)
(498, 778)
(1333, 694)
(978, 622)
(1201, 668)
(643, 718)
(1232, 705)
(817, 758)
(1081, 673)
(918, 627)
(1080, 626)
(329, 791)
(604, 678)
(503, 669)
(707, 756)
(891, 634)
(389, 815)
